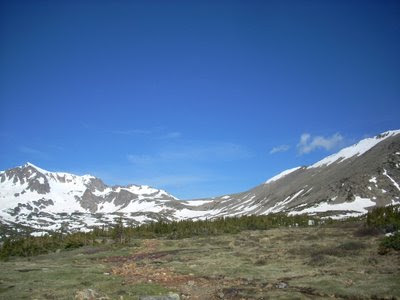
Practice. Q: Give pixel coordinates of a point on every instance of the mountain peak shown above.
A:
(43, 171)
(29, 164)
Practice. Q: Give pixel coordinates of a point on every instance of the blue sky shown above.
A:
(201, 98)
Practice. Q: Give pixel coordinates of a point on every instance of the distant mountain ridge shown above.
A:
(346, 183)
(35, 197)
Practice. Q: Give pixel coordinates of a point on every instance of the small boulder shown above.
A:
(281, 285)
(89, 294)
(170, 296)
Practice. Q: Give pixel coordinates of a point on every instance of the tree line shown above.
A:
(119, 233)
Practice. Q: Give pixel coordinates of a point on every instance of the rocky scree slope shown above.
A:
(347, 183)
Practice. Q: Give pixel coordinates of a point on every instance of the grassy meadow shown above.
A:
(264, 257)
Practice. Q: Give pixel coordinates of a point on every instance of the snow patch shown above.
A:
(196, 202)
(395, 202)
(282, 174)
(191, 214)
(359, 206)
(296, 195)
(391, 179)
(309, 190)
(279, 206)
(39, 233)
(373, 180)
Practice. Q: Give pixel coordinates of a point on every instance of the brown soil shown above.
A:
(195, 287)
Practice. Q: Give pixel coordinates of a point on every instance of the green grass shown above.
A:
(311, 262)
(61, 275)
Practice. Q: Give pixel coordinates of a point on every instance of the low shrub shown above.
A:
(344, 249)
(312, 237)
(319, 260)
(385, 218)
(73, 244)
(389, 242)
(261, 261)
(352, 246)
(331, 251)
(367, 231)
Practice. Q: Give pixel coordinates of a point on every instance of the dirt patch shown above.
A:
(189, 285)
(156, 255)
(147, 255)
(198, 287)
(150, 245)
(134, 271)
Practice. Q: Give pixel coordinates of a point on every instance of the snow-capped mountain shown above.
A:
(38, 198)
(347, 183)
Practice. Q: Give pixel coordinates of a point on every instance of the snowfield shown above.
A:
(358, 206)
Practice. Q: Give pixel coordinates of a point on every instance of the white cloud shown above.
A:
(281, 148)
(308, 143)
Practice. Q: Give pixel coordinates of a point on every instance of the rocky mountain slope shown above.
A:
(41, 199)
(344, 184)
